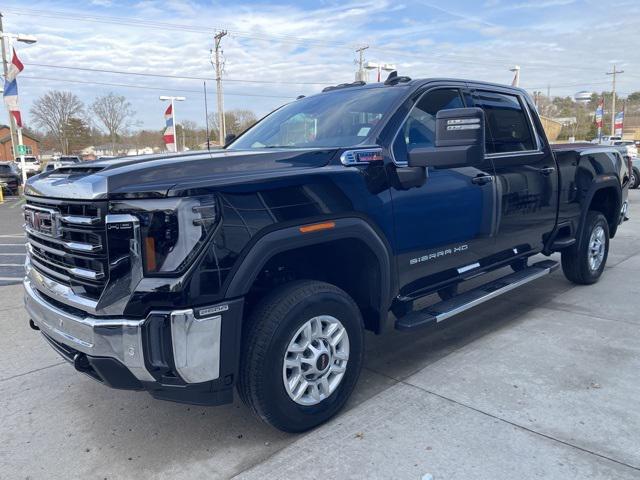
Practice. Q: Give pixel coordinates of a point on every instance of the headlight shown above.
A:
(172, 230)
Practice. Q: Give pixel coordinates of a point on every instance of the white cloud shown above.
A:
(424, 39)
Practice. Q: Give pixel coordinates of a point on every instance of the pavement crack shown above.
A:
(31, 371)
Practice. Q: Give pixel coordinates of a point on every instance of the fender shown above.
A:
(289, 238)
(600, 182)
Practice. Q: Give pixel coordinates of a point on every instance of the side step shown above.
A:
(448, 308)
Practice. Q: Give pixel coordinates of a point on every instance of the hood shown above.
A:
(163, 175)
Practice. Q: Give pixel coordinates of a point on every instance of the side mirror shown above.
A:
(229, 137)
(459, 140)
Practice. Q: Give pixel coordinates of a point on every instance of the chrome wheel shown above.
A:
(315, 360)
(597, 244)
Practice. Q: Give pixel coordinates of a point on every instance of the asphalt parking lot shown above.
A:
(540, 383)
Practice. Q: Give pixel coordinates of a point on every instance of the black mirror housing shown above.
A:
(459, 142)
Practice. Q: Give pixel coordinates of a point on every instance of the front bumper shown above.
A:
(174, 355)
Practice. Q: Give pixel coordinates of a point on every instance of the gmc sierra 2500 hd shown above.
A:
(259, 266)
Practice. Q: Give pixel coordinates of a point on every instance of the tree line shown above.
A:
(584, 127)
(65, 124)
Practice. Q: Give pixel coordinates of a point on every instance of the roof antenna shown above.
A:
(394, 79)
(392, 76)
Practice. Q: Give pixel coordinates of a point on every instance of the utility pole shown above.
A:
(613, 98)
(361, 75)
(12, 126)
(218, 66)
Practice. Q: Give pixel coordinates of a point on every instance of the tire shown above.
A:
(271, 332)
(576, 262)
(635, 178)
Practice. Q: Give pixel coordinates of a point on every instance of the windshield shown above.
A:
(5, 169)
(341, 118)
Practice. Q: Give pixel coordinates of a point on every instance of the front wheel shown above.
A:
(584, 265)
(301, 356)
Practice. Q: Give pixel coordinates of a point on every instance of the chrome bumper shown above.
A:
(196, 341)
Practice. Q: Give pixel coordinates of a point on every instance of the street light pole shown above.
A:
(25, 39)
(5, 67)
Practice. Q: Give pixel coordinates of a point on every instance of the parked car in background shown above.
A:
(606, 139)
(629, 145)
(66, 160)
(31, 165)
(634, 182)
(9, 178)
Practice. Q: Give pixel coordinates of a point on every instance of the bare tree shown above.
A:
(236, 121)
(54, 112)
(114, 113)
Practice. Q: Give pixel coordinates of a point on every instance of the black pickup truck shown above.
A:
(259, 266)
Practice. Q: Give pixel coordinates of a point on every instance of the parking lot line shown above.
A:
(11, 279)
(11, 264)
(14, 254)
(16, 235)
(12, 244)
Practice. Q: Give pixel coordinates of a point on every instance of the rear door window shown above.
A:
(508, 127)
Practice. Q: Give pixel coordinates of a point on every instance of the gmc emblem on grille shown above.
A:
(42, 221)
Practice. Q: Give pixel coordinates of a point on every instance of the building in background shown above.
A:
(6, 149)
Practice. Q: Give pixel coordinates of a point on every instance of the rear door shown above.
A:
(525, 169)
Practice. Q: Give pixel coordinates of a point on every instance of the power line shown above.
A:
(205, 29)
(160, 75)
(146, 87)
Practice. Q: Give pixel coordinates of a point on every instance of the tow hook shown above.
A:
(33, 325)
(81, 362)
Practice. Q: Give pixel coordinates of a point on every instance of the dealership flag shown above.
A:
(169, 134)
(11, 88)
(599, 112)
(619, 123)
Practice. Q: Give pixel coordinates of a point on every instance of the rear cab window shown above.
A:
(509, 128)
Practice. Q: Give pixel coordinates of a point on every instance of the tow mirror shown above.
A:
(459, 141)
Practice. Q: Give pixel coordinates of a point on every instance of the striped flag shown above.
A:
(169, 133)
(11, 88)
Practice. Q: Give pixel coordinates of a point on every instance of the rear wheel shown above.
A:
(584, 264)
(634, 181)
(301, 355)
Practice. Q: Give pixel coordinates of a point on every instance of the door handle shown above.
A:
(547, 170)
(482, 179)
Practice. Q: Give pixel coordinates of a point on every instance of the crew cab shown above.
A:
(259, 266)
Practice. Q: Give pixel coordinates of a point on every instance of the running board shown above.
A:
(448, 308)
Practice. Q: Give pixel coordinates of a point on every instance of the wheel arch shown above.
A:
(605, 196)
(290, 239)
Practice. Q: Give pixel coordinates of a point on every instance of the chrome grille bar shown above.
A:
(78, 220)
(78, 246)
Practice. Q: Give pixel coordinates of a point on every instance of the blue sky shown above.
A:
(301, 46)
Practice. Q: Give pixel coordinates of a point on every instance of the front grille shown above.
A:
(66, 241)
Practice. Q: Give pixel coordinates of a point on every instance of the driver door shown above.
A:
(443, 226)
